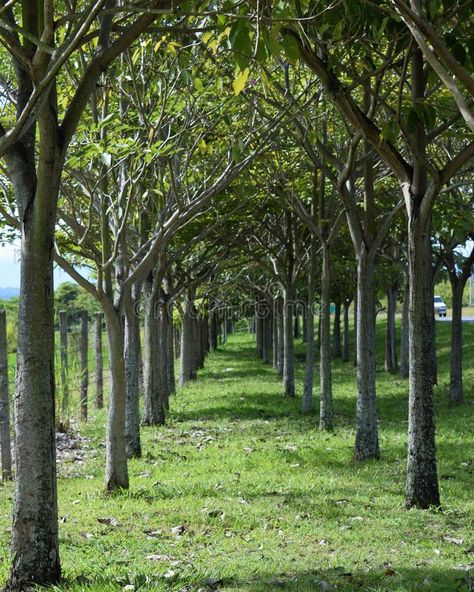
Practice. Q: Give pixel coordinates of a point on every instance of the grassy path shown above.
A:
(240, 492)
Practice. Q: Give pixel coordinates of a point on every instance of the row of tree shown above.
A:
(187, 153)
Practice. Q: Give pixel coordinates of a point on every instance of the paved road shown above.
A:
(448, 319)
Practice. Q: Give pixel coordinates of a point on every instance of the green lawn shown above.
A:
(240, 492)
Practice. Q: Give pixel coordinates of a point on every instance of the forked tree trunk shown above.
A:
(456, 391)
(288, 348)
(367, 441)
(336, 334)
(132, 377)
(116, 469)
(5, 444)
(84, 364)
(391, 362)
(404, 349)
(326, 421)
(422, 480)
(346, 346)
(63, 347)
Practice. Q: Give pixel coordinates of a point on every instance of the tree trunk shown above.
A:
(296, 319)
(213, 337)
(355, 328)
(325, 401)
(346, 343)
(116, 469)
(266, 335)
(99, 362)
(391, 362)
(5, 443)
(456, 394)
(367, 442)
(404, 349)
(170, 357)
(187, 366)
(336, 334)
(84, 363)
(275, 336)
(288, 348)
(307, 401)
(422, 480)
(63, 347)
(132, 378)
(164, 329)
(281, 339)
(35, 514)
(153, 411)
(259, 327)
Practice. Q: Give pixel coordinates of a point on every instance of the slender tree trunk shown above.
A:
(213, 337)
(266, 336)
(346, 346)
(177, 343)
(187, 366)
(132, 378)
(116, 469)
(288, 357)
(259, 326)
(84, 363)
(99, 362)
(5, 443)
(297, 326)
(367, 442)
(307, 401)
(170, 357)
(422, 480)
(336, 334)
(304, 327)
(391, 362)
(326, 421)
(404, 350)
(63, 347)
(164, 328)
(275, 337)
(281, 339)
(456, 393)
(153, 412)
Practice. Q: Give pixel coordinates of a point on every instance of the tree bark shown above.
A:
(116, 469)
(307, 401)
(404, 350)
(422, 480)
(456, 391)
(281, 339)
(170, 357)
(213, 334)
(367, 442)
(391, 362)
(325, 373)
(275, 344)
(35, 547)
(187, 366)
(5, 443)
(153, 411)
(288, 347)
(259, 330)
(132, 378)
(84, 363)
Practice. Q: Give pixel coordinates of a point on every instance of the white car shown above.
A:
(439, 306)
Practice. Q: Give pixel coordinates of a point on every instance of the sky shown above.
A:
(10, 268)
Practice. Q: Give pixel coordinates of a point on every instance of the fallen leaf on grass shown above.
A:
(178, 530)
(453, 540)
(108, 521)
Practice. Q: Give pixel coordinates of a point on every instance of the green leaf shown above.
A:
(240, 81)
(291, 49)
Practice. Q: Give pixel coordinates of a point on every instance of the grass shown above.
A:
(262, 499)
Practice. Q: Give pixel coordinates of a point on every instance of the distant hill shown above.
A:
(7, 293)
